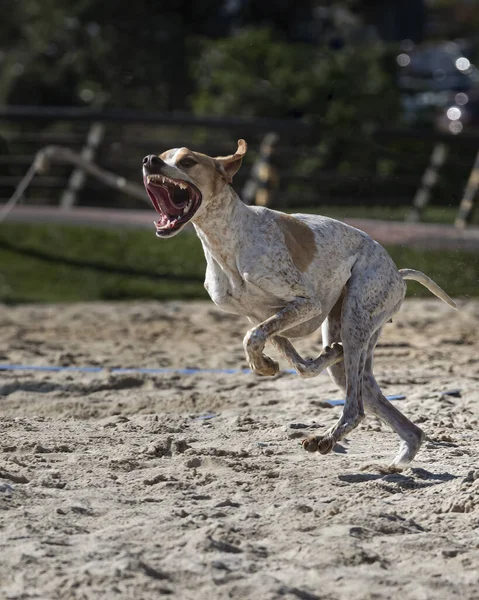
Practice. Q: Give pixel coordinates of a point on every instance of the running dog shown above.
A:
(289, 275)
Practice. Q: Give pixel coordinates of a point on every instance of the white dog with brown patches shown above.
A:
(290, 274)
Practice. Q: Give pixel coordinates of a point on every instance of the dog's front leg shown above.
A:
(294, 313)
(309, 367)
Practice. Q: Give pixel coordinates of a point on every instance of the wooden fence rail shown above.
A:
(127, 135)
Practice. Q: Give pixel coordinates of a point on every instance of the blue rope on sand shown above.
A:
(159, 371)
(121, 370)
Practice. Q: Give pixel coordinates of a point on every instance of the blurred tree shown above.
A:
(113, 53)
(291, 18)
(124, 54)
(345, 91)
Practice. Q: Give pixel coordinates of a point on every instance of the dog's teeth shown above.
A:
(179, 184)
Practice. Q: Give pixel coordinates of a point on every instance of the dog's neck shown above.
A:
(219, 225)
(215, 226)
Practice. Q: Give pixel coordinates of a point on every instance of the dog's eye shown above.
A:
(187, 163)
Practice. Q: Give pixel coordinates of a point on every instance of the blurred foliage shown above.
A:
(345, 92)
(27, 277)
(205, 54)
(256, 73)
(118, 53)
(113, 53)
(211, 56)
(316, 61)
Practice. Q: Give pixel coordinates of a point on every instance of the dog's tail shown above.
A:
(429, 283)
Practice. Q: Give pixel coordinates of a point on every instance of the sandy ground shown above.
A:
(195, 486)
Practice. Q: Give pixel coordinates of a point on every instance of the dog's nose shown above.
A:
(152, 161)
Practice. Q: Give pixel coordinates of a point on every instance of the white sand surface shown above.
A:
(116, 485)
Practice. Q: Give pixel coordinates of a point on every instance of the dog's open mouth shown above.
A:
(175, 201)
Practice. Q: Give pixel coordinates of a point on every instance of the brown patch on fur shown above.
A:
(299, 240)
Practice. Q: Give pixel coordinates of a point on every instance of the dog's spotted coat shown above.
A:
(291, 274)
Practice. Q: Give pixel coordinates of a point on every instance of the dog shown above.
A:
(290, 275)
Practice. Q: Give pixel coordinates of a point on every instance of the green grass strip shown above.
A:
(53, 263)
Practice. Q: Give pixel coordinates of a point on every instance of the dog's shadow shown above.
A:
(414, 478)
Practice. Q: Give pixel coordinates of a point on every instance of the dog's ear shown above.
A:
(228, 166)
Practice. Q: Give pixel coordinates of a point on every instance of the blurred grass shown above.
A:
(52, 263)
(434, 214)
(25, 277)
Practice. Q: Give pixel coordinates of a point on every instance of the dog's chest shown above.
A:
(230, 292)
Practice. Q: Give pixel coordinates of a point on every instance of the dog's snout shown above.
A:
(151, 161)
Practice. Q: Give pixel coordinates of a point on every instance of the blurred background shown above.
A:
(367, 111)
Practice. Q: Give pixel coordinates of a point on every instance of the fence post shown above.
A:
(467, 203)
(78, 176)
(264, 178)
(41, 164)
(428, 181)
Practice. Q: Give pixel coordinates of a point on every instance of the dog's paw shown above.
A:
(310, 444)
(267, 366)
(307, 369)
(329, 356)
(322, 444)
(335, 351)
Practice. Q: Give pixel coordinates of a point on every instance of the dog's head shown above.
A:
(180, 181)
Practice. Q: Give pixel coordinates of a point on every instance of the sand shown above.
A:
(194, 486)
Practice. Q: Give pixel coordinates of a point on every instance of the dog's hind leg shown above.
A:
(309, 367)
(377, 404)
(373, 295)
(348, 323)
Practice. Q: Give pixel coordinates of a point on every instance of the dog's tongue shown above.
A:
(161, 199)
